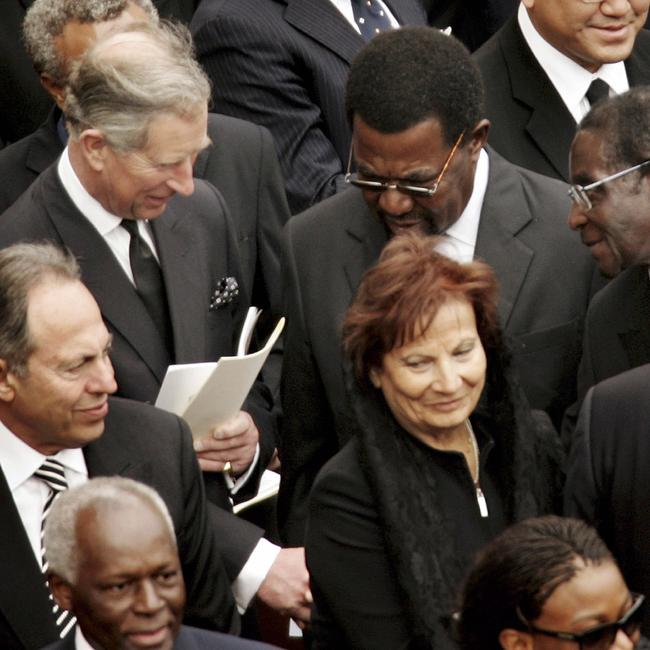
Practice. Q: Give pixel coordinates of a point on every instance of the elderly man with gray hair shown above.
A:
(113, 563)
(156, 249)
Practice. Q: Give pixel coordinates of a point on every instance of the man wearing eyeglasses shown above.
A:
(610, 166)
(548, 64)
(414, 99)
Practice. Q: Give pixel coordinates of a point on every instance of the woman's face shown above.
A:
(595, 595)
(433, 384)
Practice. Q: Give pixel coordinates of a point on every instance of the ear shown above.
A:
(54, 89)
(375, 377)
(94, 148)
(515, 639)
(61, 590)
(479, 137)
(7, 383)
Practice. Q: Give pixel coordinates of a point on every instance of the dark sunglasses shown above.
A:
(602, 636)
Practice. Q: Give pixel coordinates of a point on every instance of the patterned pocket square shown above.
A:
(227, 290)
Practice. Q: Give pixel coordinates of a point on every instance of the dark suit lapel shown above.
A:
(121, 306)
(324, 23)
(504, 213)
(532, 87)
(23, 596)
(188, 303)
(633, 325)
(367, 237)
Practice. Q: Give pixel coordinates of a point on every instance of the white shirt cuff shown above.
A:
(253, 573)
(235, 484)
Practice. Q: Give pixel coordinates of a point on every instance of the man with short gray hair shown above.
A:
(113, 562)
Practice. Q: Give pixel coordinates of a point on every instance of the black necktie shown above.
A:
(149, 283)
(52, 474)
(597, 90)
(370, 18)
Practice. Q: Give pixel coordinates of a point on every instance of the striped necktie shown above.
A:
(52, 474)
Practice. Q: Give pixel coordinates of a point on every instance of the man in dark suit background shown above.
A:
(113, 563)
(283, 64)
(608, 484)
(611, 215)
(539, 67)
(415, 101)
(241, 162)
(129, 162)
(55, 382)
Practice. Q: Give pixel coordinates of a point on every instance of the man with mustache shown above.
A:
(548, 64)
(414, 100)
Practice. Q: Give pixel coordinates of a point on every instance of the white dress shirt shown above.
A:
(19, 461)
(459, 241)
(570, 79)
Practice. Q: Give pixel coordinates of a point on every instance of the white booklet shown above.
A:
(207, 394)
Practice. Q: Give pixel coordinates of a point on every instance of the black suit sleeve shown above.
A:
(357, 603)
(581, 493)
(306, 439)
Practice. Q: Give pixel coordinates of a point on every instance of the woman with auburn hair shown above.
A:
(445, 454)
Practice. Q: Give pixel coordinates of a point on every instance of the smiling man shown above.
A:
(414, 100)
(113, 562)
(59, 426)
(610, 166)
(548, 64)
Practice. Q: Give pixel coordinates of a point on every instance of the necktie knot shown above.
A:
(597, 90)
(51, 472)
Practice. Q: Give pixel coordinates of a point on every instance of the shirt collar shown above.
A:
(103, 221)
(80, 641)
(19, 461)
(569, 78)
(465, 229)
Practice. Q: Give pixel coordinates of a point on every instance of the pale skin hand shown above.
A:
(286, 586)
(233, 441)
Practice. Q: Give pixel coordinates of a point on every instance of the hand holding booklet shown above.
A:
(207, 394)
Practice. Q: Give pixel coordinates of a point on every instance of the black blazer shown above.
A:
(522, 234)
(283, 64)
(531, 125)
(608, 480)
(148, 445)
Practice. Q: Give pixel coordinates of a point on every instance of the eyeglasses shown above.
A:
(416, 191)
(578, 193)
(602, 636)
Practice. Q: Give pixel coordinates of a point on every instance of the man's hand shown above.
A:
(233, 442)
(286, 586)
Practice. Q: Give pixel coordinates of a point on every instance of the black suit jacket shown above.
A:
(196, 247)
(522, 234)
(150, 446)
(531, 125)
(23, 101)
(189, 638)
(617, 329)
(608, 482)
(283, 64)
